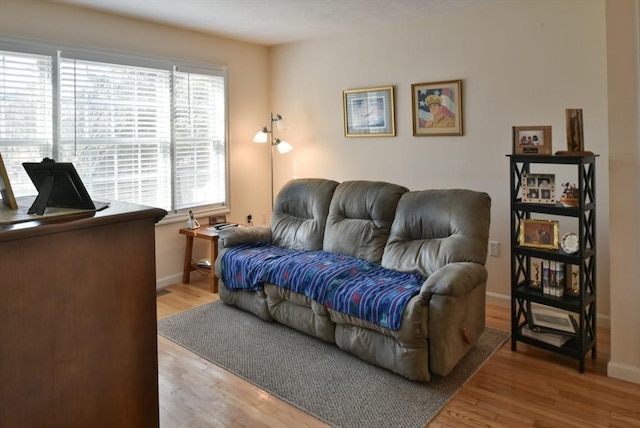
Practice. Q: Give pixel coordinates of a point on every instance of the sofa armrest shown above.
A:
(234, 236)
(454, 279)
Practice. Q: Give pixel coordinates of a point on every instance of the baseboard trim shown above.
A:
(623, 372)
(498, 299)
(168, 280)
(176, 279)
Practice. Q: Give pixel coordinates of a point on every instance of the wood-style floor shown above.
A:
(530, 387)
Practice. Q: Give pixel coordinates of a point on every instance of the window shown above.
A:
(148, 133)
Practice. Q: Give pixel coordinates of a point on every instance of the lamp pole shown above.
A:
(271, 144)
(283, 146)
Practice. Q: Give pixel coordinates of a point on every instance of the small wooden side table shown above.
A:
(189, 265)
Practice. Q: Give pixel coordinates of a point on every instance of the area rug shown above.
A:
(315, 376)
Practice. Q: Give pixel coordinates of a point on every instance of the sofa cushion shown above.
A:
(436, 227)
(360, 218)
(300, 213)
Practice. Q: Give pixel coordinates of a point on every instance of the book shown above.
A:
(550, 338)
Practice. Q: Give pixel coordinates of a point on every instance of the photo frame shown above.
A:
(539, 188)
(437, 108)
(539, 234)
(551, 321)
(369, 112)
(532, 140)
(6, 192)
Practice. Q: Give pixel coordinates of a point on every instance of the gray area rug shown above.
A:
(314, 376)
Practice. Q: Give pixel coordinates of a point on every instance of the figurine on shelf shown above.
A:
(536, 278)
(575, 287)
(570, 195)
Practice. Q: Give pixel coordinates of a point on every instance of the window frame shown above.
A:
(59, 50)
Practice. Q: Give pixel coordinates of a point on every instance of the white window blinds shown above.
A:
(153, 135)
(25, 114)
(115, 126)
(200, 167)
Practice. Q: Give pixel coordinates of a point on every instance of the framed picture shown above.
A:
(437, 108)
(545, 320)
(5, 187)
(369, 112)
(531, 140)
(539, 234)
(539, 188)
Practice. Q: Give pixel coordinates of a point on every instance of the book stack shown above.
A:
(553, 278)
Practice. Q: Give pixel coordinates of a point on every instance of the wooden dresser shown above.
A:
(78, 343)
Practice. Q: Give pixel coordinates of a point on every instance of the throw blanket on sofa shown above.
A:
(349, 285)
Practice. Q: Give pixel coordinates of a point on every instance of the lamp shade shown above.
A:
(283, 146)
(262, 136)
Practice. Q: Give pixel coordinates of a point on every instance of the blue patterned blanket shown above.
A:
(349, 285)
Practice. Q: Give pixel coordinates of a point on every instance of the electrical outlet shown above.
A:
(249, 218)
(494, 248)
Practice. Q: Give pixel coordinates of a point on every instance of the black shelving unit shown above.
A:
(583, 305)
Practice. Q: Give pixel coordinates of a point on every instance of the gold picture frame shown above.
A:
(532, 140)
(437, 108)
(5, 187)
(369, 112)
(539, 234)
(539, 188)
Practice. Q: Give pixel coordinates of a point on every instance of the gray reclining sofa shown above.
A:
(436, 238)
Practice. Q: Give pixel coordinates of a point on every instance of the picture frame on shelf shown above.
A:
(6, 192)
(437, 108)
(369, 112)
(546, 321)
(539, 234)
(532, 140)
(539, 188)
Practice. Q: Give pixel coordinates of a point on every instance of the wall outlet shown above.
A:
(494, 248)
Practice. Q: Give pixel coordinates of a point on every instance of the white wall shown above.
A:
(248, 91)
(521, 62)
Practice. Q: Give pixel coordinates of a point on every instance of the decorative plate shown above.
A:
(569, 243)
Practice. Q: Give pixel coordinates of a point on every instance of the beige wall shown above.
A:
(521, 62)
(623, 45)
(248, 91)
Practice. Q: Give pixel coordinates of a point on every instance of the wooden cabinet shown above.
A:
(524, 292)
(78, 320)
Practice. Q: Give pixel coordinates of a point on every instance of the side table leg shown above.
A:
(213, 254)
(186, 274)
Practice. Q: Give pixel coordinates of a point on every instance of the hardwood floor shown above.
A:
(530, 387)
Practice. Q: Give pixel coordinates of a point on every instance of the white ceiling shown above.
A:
(272, 22)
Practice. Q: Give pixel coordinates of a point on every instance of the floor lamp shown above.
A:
(266, 135)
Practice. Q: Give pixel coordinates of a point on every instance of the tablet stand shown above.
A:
(40, 204)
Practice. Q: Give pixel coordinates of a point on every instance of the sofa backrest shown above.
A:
(300, 213)
(436, 227)
(360, 218)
